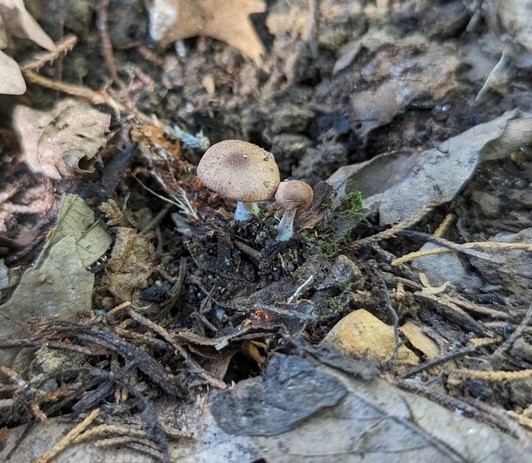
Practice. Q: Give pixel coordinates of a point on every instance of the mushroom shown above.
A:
(291, 194)
(240, 171)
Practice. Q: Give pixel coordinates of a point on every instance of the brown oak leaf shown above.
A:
(226, 20)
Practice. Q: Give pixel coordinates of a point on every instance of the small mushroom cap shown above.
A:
(239, 170)
(294, 193)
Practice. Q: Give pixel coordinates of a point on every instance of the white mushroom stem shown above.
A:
(285, 229)
(246, 211)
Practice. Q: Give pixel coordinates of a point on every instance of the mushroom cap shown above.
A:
(239, 170)
(294, 193)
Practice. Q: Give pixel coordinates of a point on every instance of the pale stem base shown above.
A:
(285, 229)
(246, 211)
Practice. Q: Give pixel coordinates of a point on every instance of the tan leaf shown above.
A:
(228, 21)
(130, 265)
(19, 23)
(57, 140)
(11, 81)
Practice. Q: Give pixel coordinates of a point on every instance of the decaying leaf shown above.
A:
(130, 265)
(59, 285)
(401, 185)
(62, 141)
(404, 76)
(350, 419)
(228, 21)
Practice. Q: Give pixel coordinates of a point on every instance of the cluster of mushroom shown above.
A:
(246, 173)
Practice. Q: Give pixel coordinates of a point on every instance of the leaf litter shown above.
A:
(186, 298)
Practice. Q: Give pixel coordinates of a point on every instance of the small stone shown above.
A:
(361, 335)
(342, 273)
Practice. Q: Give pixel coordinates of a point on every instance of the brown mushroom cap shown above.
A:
(239, 170)
(294, 193)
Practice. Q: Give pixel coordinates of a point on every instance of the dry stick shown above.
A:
(107, 47)
(464, 304)
(213, 381)
(40, 59)
(454, 246)
(69, 438)
(314, 23)
(461, 247)
(438, 361)
(110, 429)
(137, 447)
(444, 225)
(397, 342)
(155, 221)
(24, 386)
(92, 96)
(518, 332)
(494, 376)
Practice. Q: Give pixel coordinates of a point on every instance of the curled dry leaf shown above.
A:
(400, 186)
(15, 21)
(19, 23)
(62, 141)
(228, 21)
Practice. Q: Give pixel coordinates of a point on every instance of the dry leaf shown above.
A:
(130, 265)
(404, 78)
(19, 23)
(16, 21)
(58, 285)
(57, 141)
(402, 185)
(11, 80)
(228, 21)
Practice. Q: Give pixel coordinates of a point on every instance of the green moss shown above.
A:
(351, 206)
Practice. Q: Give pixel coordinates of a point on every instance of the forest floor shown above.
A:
(132, 299)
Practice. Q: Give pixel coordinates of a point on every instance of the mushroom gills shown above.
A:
(285, 229)
(246, 211)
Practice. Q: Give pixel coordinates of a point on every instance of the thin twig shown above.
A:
(397, 342)
(192, 364)
(493, 376)
(313, 27)
(107, 46)
(40, 59)
(300, 289)
(92, 96)
(506, 345)
(460, 247)
(438, 361)
(69, 438)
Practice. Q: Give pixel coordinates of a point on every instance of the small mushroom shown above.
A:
(291, 195)
(240, 171)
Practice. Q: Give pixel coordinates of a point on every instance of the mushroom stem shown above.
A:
(285, 229)
(245, 211)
